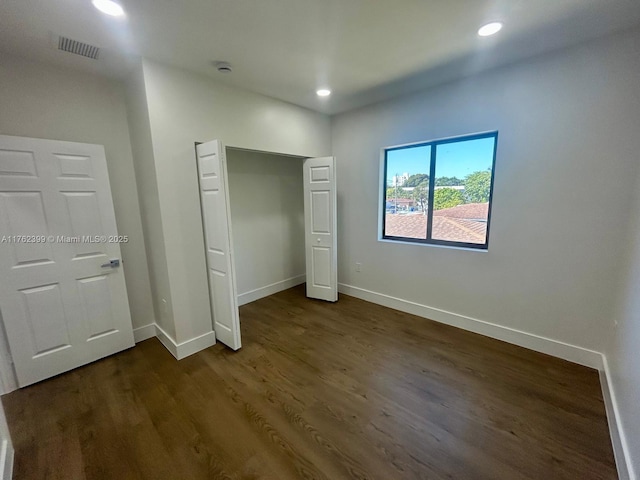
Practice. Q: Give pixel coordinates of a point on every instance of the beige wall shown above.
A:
(43, 101)
(185, 108)
(267, 217)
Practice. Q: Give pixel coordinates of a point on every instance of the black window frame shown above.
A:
(432, 171)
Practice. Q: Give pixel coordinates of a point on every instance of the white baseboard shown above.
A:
(144, 333)
(572, 353)
(618, 438)
(258, 293)
(6, 459)
(196, 344)
(184, 349)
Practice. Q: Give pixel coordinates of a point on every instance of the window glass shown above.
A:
(407, 191)
(462, 190)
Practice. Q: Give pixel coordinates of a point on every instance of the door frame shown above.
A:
(8, 377)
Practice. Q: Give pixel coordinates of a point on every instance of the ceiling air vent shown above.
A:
(78, 48)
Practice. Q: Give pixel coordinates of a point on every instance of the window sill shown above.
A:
(433, 245)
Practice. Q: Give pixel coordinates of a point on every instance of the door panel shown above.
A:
(17, 163)
(320, 212)
(223, 310)
(60, 307)
(84, 216)
(321, 269)
(74, 166)
(320, 174)
(46, 319)
(96, 298)
(24, 213)
(320, 228)
(216, 216)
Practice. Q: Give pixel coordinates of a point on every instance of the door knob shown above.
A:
(113, 263)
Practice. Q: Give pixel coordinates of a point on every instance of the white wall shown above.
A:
(43, 101)
(567, 158)
(142, 147)
(622, 351)
(185, 108)
(267, 218)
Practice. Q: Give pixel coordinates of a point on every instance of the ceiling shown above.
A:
(364, 50)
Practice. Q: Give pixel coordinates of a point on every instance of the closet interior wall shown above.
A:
(267, 218)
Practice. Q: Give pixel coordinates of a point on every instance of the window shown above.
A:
(440, 192)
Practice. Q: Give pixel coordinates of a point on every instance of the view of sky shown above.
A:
(457, 159)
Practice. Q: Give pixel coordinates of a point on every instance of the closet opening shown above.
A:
(266, 193)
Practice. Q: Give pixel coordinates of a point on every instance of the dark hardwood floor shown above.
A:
(319, 391)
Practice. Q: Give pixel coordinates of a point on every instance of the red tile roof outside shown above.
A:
(469, 211)
(458, 224)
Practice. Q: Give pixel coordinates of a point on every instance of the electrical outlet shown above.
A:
(358, 267)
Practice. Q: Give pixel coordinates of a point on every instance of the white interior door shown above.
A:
(216, 213)
(61, 306)
(320, 228)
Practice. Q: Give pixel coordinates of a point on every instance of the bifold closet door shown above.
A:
(214, 197)
(320, 228)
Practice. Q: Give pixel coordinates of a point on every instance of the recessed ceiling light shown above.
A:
(109, 7)
(490, 29)
(323, 92)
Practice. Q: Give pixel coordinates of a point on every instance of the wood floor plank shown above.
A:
(349, 390)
